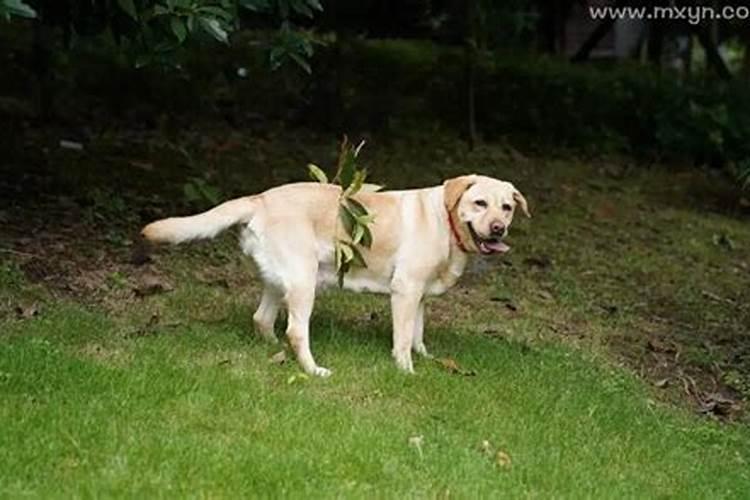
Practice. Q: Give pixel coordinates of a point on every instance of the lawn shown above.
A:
(605, 356)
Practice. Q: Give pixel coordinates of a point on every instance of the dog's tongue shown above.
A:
(493, 247)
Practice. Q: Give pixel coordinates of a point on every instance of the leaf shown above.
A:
(27, 311)
(451, 365)
(301, 62)
(315, 4)
(218, 12)
(255, 5)
(502, 459)
(151, 284)
(347, 253)
(17, 8)
(317, 173)
(357, 208)
(367, 238)
(366, 219)
(357, 258)
(279, 358)
(178, 28)
(359, 232)
(129, 8)
(356, 185)
(347, 171)
(348, 220)
(342, 272)
(213, 27)
(662, 383)
(297, 378)
(370, 188)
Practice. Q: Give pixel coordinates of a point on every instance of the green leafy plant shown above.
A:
(156, 32)
(354, 217)
(17, 8)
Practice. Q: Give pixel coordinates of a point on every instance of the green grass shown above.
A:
(198, 410)
(170, 395)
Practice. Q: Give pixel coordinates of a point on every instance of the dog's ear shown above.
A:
(454, 188)
(521, 202)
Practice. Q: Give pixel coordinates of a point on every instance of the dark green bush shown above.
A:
(621, 107)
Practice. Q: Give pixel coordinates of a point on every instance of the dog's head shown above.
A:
(482, 210)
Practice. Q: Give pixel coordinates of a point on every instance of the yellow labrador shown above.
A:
(421, 242)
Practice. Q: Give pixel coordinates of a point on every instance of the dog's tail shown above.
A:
(204, 225)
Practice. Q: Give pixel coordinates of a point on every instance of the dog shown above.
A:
(421, 241)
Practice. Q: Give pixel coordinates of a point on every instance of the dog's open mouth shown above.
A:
(487, 246)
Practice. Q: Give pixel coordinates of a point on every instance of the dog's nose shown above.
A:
(497, 228)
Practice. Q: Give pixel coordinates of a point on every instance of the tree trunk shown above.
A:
(471, 116)
(656, 42)
(746, 61)
(593, 40)
(470, 54)
(42, 63)
(712, 52)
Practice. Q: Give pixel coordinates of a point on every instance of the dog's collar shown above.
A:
(455, 234)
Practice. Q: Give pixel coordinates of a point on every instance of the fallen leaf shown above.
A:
(546, 295)
(151, 284)
(27, 311)
(719, 405)
(451, 365)
(279, 358)
(296, 378)
(661, 383)
(502, 459)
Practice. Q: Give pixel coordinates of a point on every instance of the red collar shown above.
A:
(455, 234)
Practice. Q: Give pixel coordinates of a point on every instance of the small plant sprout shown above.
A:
(354, 216)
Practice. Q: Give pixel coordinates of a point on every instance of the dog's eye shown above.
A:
(480, 203)
(507, 207)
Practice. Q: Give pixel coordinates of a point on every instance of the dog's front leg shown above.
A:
(404, 307)
(417, 342)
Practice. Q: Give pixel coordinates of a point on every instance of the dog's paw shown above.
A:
(319, 371)
(422, 350)
(403, 361)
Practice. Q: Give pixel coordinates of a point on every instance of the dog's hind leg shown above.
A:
(299, 299)
(265, 317)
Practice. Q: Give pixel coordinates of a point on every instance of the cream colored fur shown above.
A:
(289, 231)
